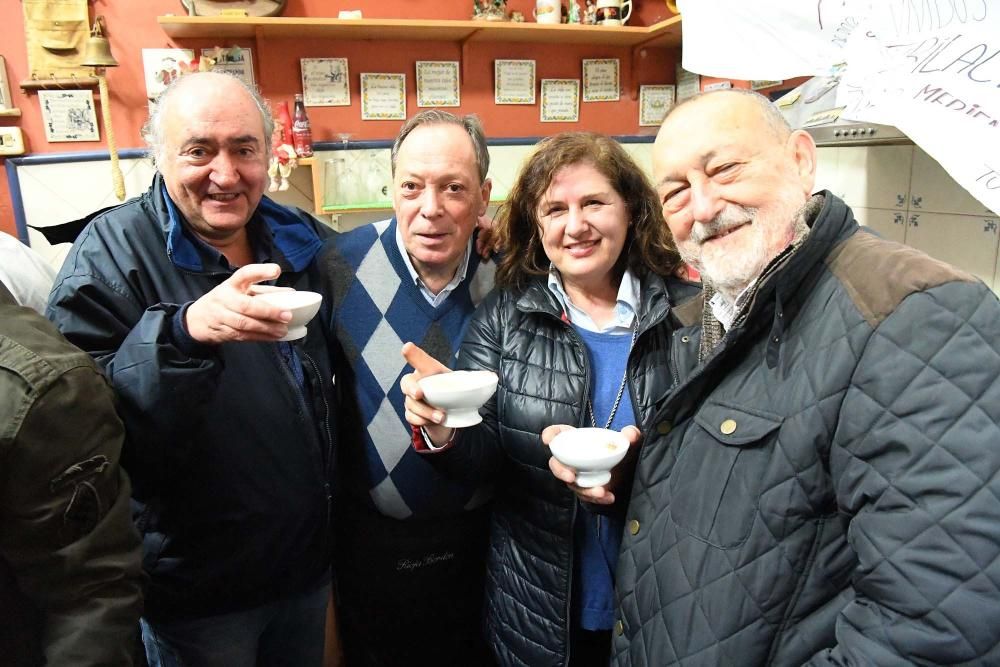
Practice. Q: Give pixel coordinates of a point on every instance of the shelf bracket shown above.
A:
(638, 53)
(465, 53)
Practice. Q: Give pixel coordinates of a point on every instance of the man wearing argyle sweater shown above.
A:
(410, 543)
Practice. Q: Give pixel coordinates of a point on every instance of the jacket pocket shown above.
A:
(716, 483)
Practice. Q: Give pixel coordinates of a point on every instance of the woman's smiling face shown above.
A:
(583, 224)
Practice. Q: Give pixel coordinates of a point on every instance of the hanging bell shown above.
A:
(97, 50)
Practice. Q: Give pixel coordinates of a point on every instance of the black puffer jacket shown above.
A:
(824, 488)
(544, 379)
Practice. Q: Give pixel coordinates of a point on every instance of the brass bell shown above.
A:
(97, 51)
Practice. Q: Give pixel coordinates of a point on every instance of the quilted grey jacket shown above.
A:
(824, 487)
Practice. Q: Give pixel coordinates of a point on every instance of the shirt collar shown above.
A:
(434, 299)
(726, 312)
(189, 251)
(626, 307)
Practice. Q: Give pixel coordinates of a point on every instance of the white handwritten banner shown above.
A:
(935, 74)
(767, 39)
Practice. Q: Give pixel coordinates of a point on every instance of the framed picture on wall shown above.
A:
(437, 83)
(69, 115)
(601, 80)
(560, 100)
(383, 96)
(235, 60)
(514, 81)
(654, 103)
(5, 101)
(161, 66)
(325, 82)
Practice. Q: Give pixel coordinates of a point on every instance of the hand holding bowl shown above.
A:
(301, 304)
(460, 394)
(592, 452)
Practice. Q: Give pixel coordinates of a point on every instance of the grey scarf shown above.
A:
(712, 330)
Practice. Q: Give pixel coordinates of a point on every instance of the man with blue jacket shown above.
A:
(229, 441)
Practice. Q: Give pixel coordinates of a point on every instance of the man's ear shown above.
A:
(803, 151)
(487, 188)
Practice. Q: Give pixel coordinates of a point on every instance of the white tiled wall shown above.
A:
(906, 196)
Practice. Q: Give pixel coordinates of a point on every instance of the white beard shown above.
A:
(730, 268)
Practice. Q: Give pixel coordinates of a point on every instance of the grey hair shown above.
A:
(152, 130)
(469, 123)
(769, 110)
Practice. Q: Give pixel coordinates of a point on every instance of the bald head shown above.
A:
(731, 176)
(200, 85)
(750, 102)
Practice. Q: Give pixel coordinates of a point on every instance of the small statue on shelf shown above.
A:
(574, 12)
(498, 12)
(590, 14)
(489, 10)
(516, 17)
(283, 156)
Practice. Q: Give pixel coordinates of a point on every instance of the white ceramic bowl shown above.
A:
(592, 452)
(459, 394)
(302, 304)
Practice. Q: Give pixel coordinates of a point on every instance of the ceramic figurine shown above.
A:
(498, 12)
(574, 11)
(590, 16)
(516, 17)
(283, 157)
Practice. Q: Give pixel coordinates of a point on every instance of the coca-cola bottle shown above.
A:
(301, 131)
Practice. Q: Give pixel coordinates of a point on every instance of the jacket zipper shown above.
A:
(329, 439)
(306, 414)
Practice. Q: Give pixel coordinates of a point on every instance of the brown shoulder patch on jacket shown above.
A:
(689, 312)
(878, 274)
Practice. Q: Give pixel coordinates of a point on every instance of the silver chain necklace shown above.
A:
(621, 387)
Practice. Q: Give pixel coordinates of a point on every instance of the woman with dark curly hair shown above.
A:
(578, 333)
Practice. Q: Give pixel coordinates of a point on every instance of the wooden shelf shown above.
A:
(13, 112)
(663, 34)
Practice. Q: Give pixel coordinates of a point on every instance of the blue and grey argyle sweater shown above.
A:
(376, 308)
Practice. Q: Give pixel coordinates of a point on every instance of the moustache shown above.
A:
(731, 218)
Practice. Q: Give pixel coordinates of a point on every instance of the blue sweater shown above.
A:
(376, 308)
(597, 536)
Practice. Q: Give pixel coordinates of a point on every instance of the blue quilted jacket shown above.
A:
(823, 488)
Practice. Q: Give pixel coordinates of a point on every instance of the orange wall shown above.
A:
(132, 26)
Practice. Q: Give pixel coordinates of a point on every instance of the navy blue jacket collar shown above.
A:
(279, 234)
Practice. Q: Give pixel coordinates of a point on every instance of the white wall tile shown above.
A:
(966, 241)
(933, 189)
(827, 174)
(875, 176)
(888, 223)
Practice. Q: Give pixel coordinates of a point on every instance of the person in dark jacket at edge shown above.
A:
(70, 561)
(821, 487)
(577, 333)
(229, 430)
